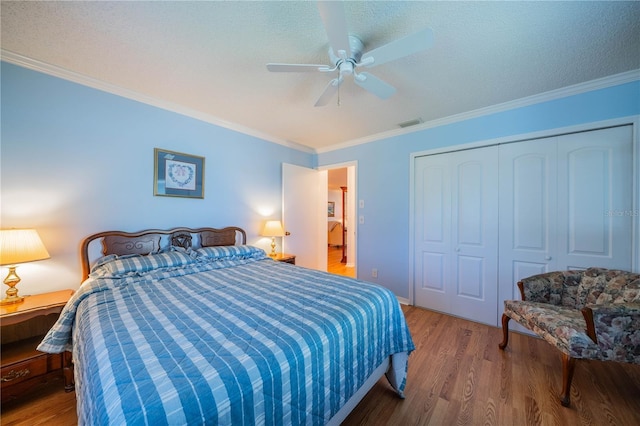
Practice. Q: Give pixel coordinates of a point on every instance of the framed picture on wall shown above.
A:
(177, 174)
(331, 210)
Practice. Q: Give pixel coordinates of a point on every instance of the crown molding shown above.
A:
(65, 74)
(576, 89)
(53, 70)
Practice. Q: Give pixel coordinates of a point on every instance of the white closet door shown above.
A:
(549, 204)
(528, 230)
(562, 204)
(595, 175)
(456, 247)
(474, 274)
(432, 228)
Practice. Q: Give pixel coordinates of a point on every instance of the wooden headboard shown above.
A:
(154, 240)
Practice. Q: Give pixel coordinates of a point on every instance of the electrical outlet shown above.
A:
(361, 204)
(361, 220)
(374, 273)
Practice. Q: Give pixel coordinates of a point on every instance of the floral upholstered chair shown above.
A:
(593, 314)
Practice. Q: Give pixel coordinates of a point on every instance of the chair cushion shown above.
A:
(590, 287)
(622, 287)
(560, 326)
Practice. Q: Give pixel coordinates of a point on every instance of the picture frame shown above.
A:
(177, 174)
(331, 209)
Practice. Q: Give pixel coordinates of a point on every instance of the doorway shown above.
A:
(341, 242)
(305, 216)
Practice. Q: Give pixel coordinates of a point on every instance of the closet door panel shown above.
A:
(530, 202)
(527, 230)
(475, 242)
(468, 211)
(470, 274)
(588, 198)
(595, 187)
(432, 203)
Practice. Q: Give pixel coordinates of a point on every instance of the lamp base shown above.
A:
(12, 280)
(273, 247)
(12, 300)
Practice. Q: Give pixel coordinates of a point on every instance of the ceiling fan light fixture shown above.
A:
(346, 68)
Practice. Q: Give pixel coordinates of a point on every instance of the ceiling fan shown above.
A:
(346, 55)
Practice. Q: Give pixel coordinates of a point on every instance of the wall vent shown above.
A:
(410, 123)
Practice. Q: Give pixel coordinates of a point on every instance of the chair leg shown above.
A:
(505, 331)
(568, 366)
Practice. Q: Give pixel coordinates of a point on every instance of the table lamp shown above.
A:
(273, 229)
(18, 246)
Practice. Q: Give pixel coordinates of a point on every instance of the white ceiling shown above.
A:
(208, 58)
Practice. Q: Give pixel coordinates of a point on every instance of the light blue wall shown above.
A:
(75, 160)
(384, 167)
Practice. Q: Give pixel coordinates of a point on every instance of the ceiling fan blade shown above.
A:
(374, 85)
(297, 68)
(335, 23)
(329, 91)
(397, 49)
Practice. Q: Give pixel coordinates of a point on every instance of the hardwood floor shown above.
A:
(457, 375)
(334, 266)
(48, 404)
(334, 256)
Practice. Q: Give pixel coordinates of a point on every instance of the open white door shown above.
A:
(304, 215)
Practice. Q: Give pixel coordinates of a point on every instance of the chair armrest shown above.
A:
(612, 327)
(537, 288)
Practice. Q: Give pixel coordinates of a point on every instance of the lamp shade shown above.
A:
(21, 245)
(273, 228)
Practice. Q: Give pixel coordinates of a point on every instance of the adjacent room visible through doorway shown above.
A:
(340, 256)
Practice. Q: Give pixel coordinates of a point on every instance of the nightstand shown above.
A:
(286, 258)
(23, 327)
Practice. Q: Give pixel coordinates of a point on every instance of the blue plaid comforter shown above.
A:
(228, 339)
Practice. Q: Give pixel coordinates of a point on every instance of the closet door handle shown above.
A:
(547, 258)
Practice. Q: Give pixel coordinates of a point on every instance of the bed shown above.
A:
(193, 326)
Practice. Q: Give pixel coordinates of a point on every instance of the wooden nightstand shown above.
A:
(286, 258)
(23, 327)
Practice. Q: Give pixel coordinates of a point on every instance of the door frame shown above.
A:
(633, 120)
(352, 236)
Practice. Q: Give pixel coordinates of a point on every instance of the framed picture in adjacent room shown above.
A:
(177, 174)
(331, 209)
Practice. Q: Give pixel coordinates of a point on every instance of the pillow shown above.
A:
(139, 263)
(109, 258)
(231, 252)
(188, 251)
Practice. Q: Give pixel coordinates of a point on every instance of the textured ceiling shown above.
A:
(209, 57)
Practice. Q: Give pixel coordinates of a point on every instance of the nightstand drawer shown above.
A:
(22, 377)
(22, 366)
(21, 371)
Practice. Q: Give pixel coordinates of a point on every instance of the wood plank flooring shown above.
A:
(334, 256)
(457, 375)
